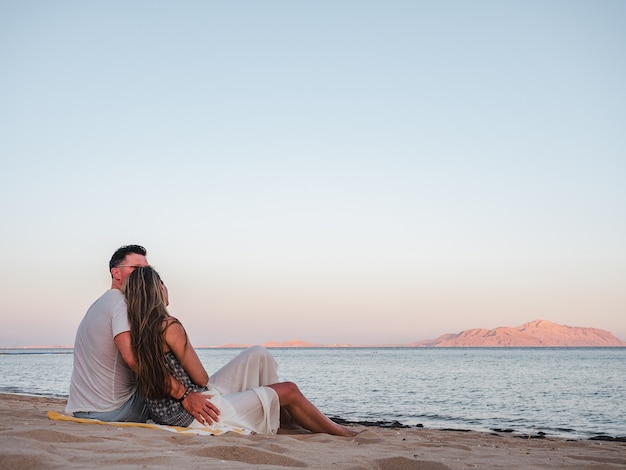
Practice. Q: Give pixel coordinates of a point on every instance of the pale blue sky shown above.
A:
(338, 172)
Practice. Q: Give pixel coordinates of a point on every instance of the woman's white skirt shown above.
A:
(239, 390)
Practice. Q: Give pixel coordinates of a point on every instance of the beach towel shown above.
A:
(214, 430)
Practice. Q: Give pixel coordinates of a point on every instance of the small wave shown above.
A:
(17, 391)
(378, 424)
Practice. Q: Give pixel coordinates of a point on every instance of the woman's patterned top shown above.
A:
(169, 410)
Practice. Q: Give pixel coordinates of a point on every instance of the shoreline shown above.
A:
(30, 440)
(398, 425)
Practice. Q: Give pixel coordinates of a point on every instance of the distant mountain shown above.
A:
(296, 343)
(532, 334)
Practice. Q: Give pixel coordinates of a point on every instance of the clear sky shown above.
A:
(332, 171)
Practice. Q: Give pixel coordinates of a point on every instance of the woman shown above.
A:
(246, 390)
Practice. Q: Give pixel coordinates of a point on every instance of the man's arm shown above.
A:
(122, 341)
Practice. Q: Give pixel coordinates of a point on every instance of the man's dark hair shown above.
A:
(124, 251)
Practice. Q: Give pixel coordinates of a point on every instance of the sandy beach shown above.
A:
(29, 440)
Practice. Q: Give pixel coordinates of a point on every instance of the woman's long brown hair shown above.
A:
(147, 314)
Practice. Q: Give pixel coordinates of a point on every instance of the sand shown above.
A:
(29, 439)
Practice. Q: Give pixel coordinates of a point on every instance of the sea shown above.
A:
(573, 393)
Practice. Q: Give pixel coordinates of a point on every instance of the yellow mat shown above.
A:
(208, 431)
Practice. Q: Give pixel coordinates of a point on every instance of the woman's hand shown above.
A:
(198, 406)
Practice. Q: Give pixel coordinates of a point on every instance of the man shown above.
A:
(103, 385)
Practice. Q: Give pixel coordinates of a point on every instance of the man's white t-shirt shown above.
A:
(101, 380)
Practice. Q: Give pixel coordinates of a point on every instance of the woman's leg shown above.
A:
(305, 413)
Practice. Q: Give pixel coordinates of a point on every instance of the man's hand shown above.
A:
(201, 408)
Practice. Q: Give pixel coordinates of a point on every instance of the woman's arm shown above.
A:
(195, 403)
(177, 341)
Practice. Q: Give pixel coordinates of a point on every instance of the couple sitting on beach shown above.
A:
(134, 362)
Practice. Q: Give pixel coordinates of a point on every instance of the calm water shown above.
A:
(566, 392)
